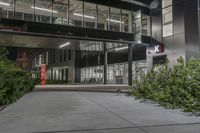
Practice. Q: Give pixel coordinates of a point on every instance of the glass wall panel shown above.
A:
(24, 10)
(137, 25)
(7, 8)
(167, 13)
(115, 19)
(76, 13)
(60, 16)
(103, 17)
(43, 11)
(145, 25)
(90, 15)
(125, 20)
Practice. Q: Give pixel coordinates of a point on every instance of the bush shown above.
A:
(14, 82)
(173, 88)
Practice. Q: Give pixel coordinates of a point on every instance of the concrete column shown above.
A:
(130, 23)
(105, 63)
(130, 59)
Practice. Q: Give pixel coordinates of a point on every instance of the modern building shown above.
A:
(98, 41)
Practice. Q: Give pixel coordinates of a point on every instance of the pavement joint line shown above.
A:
(134, 125)
(170, 125)
(84, 130)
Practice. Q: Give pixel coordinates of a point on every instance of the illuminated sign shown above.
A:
(157, 48)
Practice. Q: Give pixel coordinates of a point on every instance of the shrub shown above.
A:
(14, 82)
(173, 88)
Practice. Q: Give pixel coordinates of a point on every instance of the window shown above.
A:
(125, 20)
(76, 13)
(60, 12)
(137, 25)
(43, 11)
(7, 9)
(115, 19)
(90, 15)
(103, 17)
(167, 15)
(23, 10)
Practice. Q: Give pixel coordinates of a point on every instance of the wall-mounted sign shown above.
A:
(156, 48)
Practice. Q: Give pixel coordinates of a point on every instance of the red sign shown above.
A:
(43, 74)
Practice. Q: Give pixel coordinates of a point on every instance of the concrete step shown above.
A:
(86, 88)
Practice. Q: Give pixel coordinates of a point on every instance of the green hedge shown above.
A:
(173, 88)
(14, 82)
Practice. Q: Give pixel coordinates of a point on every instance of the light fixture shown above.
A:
(5, 4)
(115, 21)
(121, 48)
(64, 45)
(81, 15)
(43, 9)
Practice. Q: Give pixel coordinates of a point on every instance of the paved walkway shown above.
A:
(91, 112)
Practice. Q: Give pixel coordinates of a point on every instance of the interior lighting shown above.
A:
(43, 9)
(64, 45)
(81, 15)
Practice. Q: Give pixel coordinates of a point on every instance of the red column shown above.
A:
(43, 74)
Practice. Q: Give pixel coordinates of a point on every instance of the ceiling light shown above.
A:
(122, 48)
(5, 4)
(64, 45)
(81, 15)
(115, 21)
(43, 9)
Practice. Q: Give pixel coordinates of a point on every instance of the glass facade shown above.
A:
(116, 73)
(75, 13)
(85, 64)
(86, 60)
(167, 14)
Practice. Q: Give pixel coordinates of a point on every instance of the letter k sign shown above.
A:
(157, 49)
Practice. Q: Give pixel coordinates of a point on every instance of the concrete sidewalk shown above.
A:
(91, 112)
